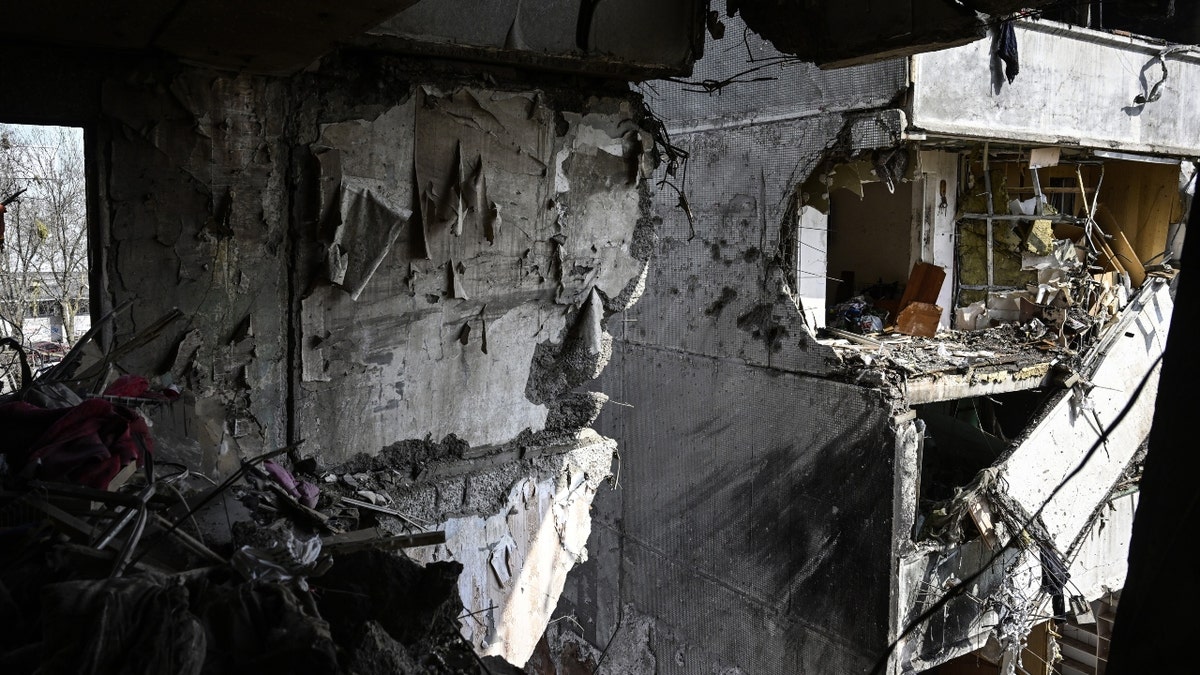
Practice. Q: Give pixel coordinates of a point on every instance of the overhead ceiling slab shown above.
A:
(629, 38)
(258, 36)
(862, 31)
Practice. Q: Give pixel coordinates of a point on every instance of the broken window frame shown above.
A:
(990, 218)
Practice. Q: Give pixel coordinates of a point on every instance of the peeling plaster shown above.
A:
(516, 559)
(463, 294)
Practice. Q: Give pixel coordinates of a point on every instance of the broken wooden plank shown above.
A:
(85, 493)
(1121, 246)
(74, 527)
(924, 285)
(854, 337)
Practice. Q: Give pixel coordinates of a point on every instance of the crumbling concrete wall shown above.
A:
(464, 276)
(516, 552)
(1066, 447)
(272, 212)
(1001, 601)
(194, 199)
(752, 526)
(364, 259)
(1055, 490)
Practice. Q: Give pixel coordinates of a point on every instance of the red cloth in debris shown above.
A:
(86, 444)
(136, 386)
(129, 386)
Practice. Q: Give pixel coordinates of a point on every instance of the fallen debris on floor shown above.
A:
(105, 568)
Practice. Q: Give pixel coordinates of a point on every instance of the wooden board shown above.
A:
(1121, 246)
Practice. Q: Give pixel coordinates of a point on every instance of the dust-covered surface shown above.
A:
(268, 571)
(953, 364)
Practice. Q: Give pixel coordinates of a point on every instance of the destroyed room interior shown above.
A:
(553, 337)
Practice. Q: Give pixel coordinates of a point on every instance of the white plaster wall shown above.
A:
(937, 229)
(1075, 86)
(813, 257)
(1059, 442)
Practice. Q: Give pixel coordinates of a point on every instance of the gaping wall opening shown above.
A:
(1055, 240)
(1016, 218)
(45, 278)
(962, 438)
(870, 242)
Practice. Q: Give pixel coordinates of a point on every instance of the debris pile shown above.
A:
(112, 558)
(858, 314)
(1057, 320)
(987, 354)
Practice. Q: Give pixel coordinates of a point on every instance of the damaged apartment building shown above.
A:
(895, 366)
(424, 341)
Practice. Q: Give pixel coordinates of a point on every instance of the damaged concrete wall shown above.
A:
(1075, 87)
(193, 188)
(752, 494)
(965, 622)
(754, 521)
(531, 232)
(725, 275)
(470, 301)
(516, 556)
(1058, 487)
(1059, 442)
(359, 260)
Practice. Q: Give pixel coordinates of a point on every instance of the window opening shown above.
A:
(44, 275)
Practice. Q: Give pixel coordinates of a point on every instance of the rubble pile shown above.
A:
(949, 351)
(1079, 293)
(114, 559)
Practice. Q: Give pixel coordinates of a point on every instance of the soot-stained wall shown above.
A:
(368, 256)
(466, 274)
(194, 199)
(751, 528)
